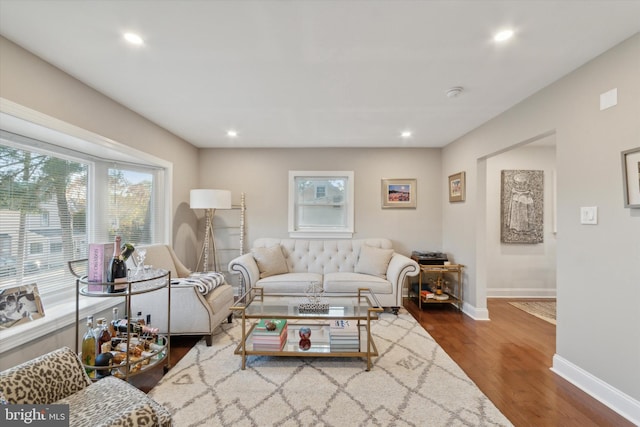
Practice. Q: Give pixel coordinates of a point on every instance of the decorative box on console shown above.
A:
(429, 258)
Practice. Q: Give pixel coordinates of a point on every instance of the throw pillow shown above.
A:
(373, 261)
(270, 261)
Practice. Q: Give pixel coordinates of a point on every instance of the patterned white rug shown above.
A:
(413, 383)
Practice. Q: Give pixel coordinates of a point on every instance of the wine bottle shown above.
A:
(117, 271)
(89, 348)
(126, 250)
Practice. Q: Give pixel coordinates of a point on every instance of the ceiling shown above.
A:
(318, 73)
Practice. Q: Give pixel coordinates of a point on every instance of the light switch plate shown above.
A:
(589, 215)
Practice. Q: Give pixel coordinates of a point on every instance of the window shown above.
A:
(321, 204)
(44, 219)
(84, 199)
(36, 248)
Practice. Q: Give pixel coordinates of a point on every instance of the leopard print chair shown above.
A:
(59, 377)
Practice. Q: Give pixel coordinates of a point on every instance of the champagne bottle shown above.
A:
(89, 348)
(126, 250)
(117, 271)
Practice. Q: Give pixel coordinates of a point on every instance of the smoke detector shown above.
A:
(454, 92)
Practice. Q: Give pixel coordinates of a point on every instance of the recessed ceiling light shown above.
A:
(503, 35)
(133, 38)
(406, 134)
(231, 133)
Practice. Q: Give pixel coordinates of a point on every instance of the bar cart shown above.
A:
(157, 348)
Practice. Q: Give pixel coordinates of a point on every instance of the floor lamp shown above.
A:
(209, 200)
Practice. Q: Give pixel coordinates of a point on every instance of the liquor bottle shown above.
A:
(113, 330)
(117, 271)
(89, 348)
(104, 339)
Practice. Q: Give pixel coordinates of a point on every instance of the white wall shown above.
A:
(263, 175)
(598, 281)
(521, 270)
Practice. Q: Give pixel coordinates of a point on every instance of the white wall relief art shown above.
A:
(522, 206)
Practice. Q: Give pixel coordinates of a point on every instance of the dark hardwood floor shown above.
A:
(508, 358)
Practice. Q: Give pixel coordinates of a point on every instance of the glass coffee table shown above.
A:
(309, 329)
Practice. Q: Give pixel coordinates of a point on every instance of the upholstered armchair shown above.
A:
(195, 309)
(58, 377)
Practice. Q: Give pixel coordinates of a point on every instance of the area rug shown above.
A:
(413, 383)
(545, 310)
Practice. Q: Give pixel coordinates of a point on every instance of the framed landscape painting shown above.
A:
(399, 193)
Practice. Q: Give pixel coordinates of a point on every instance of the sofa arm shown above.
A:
(247, 267)
(399, 268)
(45, 379)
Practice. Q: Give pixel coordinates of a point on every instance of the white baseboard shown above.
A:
(520, 293)
(618, 401)
(475, 313)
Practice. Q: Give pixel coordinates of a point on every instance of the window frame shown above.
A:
(63, 140)
(337, 232)
(67, 138)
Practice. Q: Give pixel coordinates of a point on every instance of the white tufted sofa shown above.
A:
(341, 266)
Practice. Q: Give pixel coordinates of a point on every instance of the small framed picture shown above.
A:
(19, 304)
(631, 178)
(399, 193)
(456, 187)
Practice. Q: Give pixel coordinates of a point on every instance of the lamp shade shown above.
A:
(210, 199)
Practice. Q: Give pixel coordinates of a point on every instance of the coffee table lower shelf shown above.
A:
(320, 344)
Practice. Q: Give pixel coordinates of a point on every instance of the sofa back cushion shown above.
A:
(322, 256)
(45, 379)
(270, 261)
(373, 261)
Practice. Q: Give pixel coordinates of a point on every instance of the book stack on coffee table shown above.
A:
(270, 335)
(344, 335)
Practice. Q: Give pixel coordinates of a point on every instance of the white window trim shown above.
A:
(21, 120)
(324, 232)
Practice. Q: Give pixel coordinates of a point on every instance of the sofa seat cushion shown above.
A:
(112, 401)
(350, 282)
(291, 283)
